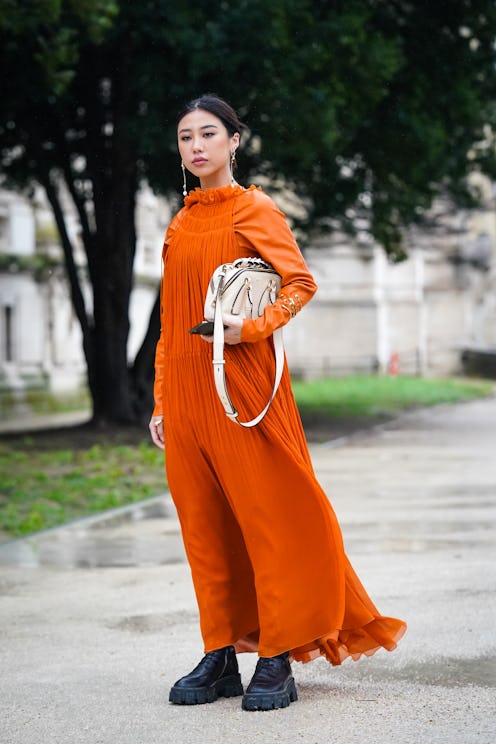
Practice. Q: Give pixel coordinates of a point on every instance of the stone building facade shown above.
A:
(413, 317)
(368, 315)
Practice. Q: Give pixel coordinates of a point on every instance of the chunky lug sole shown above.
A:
(271, 700)
(225, 687)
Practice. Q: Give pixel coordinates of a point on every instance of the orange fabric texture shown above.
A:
(261, 537)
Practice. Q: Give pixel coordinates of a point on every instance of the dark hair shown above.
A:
(217, 106)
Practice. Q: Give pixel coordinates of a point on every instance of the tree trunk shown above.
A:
(107, 216)
(120, 392)
(142, 372)
(112, 167)
(112, 272)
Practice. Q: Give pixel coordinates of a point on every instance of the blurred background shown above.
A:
(370, 123)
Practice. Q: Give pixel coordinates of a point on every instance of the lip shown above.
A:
(199, 161)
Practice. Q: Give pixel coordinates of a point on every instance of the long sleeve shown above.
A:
(262, 228)
(159, 351)
(159, 377)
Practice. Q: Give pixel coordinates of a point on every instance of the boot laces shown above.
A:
(210, 660)
(269, 663)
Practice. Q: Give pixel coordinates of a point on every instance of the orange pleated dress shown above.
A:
(261, 537)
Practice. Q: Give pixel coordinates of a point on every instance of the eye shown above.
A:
(185, 137)
(208, 134)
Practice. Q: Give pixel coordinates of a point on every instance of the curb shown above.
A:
(155, 506)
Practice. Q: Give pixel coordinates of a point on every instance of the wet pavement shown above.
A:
(98, 619)
(138, 535)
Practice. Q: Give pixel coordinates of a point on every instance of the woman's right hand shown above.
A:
(233, 325)
(156, 427)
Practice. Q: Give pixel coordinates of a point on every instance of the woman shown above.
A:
(262, 540)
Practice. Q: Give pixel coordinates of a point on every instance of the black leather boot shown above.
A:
(272, 685)
(216, 675)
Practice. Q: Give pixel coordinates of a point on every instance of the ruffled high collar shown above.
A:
(211, 196)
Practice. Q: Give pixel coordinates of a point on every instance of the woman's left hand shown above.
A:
(156, 427)
(232, 330)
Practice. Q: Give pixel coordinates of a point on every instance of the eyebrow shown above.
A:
(205, 126)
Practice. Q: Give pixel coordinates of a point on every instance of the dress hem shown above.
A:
(338, 645)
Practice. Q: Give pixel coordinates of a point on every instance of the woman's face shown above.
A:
(205, 148)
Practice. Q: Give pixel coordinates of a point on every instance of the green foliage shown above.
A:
(43, 489)
(39, 264)
(373, 396)
(353, 103)
(48, 36)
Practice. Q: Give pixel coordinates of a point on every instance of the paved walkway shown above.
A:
(99, 619)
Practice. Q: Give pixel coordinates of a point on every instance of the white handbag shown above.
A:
(244, 287)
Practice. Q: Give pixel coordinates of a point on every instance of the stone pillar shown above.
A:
(422, 323)
(383, 338)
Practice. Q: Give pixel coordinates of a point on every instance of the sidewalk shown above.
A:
(99, 619)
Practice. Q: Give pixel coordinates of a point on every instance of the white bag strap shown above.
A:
(219, 362)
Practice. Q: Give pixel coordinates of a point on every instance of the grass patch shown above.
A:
(51, 477)
(44, 488)
(382, 396)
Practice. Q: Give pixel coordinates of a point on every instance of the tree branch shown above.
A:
(67, 247)
(79, 202)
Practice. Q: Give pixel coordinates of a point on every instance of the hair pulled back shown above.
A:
(217, 106)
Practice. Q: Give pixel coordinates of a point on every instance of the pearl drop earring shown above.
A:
(185, 190)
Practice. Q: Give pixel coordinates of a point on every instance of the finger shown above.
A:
(158, 440)
(157, 434)
(232, 336)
